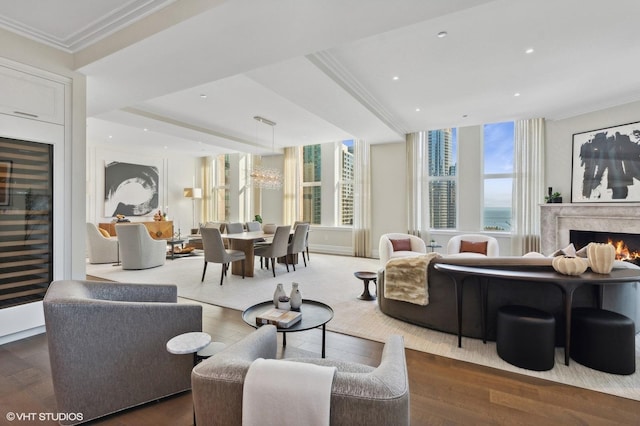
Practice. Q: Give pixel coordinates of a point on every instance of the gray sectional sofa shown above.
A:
(440, 313)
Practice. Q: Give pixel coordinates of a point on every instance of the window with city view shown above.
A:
(312, 184)
(442, 167)
(345, 207)
(498, 176)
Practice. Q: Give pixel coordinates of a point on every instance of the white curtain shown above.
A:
(362, 199)
(529, 183)
(206, 168)
(417, 184)
(292, 188)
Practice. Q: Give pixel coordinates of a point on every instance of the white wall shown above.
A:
(177, 171)
(559, 136)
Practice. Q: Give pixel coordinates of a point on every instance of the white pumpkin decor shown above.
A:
(569, 265)
(601, 257)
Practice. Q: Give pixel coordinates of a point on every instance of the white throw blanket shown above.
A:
(405, 279)
(281, 393)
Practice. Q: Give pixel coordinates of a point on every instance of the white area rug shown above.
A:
(330, 279)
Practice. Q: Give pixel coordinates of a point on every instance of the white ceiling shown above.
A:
(322, 70)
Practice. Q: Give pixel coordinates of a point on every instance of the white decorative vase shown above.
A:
(295, 298)
(276, 295)
(269, 228)
(601, 257)
(569, 265)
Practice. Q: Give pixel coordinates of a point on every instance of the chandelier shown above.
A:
(266, 177)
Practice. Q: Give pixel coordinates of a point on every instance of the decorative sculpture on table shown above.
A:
(601, 257)
(569, 265)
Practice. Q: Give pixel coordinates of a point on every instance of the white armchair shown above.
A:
(137, 249)
(386, 246)
(100, 248)
(471, 245)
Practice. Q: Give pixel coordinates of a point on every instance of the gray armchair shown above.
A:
(137, 249)
(107, 344)
(360, 394)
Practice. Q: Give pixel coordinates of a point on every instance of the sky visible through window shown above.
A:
(498, 159)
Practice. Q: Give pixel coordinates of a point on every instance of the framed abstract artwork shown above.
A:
(5, 180)
(130, 189)
(606, 165)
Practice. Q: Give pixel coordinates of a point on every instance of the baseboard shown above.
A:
(329, 249)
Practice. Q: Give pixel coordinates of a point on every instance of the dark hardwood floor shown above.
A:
(443, 391)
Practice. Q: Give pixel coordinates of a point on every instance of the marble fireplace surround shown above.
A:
(556, 220)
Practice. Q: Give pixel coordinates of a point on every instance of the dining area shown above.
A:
(236, 246)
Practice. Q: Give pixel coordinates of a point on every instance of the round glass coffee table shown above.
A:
(314, 315)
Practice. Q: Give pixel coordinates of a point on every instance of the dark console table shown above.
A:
(566, 283)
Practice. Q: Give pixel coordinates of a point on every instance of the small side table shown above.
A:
(433, 246)
(187, 343)
(366, 277)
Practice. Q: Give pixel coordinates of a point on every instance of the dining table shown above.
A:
(244, 241)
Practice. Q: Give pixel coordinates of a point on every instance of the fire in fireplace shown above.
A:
(627, 245)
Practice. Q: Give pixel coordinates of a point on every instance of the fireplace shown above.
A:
(627, 245)
(556, 220)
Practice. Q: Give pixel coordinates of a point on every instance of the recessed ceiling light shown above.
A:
(442, 34)
(145, 129)
(417, 109)
(516, 94)
(110, 137)
(529, 51)
(203, 96)
(395, 77)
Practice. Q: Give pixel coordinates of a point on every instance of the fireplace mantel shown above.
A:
(557, 219)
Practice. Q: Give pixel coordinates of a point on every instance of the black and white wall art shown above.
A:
(130, 189)
(606, 165)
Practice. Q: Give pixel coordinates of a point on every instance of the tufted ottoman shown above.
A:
(525, 337)
(603, 340)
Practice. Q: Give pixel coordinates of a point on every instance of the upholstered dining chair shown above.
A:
(297, 243)
(137, 249)
(215, 252)
(277, 248)
(100, 248)
(306, 240)
(235, 228)
(253, 226)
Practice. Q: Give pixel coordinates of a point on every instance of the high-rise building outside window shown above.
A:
(442, 169)
(312, 184)
(346, 183)
(498, 145)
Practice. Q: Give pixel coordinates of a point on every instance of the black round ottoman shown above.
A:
(525, 337)
(603, 340)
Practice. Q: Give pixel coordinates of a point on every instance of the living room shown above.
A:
(79, 179)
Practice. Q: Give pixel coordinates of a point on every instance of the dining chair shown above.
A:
(277, 248)
(235, 228)
(297, 243)
(215, 252)
(253, 226)
(306, 240)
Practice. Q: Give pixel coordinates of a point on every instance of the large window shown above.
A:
(328, 183)
(345, 206)
(442, 147)
(498, 176)
(312, 184)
